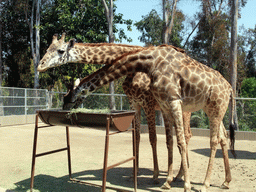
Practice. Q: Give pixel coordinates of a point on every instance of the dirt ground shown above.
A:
(87, 152)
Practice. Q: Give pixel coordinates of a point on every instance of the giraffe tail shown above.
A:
(233, 126)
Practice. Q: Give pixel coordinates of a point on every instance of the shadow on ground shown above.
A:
(119, 178)
(240, 154)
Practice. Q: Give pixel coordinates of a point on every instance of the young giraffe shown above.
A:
(178, 83)
(57, 54)
(137, 88)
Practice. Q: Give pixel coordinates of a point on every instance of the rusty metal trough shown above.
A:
(119, 120)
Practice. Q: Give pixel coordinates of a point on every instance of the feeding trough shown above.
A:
(120, 120)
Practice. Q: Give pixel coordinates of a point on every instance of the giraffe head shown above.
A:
(81, 89)
(57, 54)
(72, 100)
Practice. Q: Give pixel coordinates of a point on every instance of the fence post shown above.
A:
(121, 101)
(49, 102)
(26, 103)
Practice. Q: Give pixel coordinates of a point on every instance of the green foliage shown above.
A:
(247, 109)
(247, 50)
(248, 88)
(15, 45)
(211, 43)
(151, 27)
(199, 120)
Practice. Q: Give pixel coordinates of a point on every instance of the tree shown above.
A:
(151, 27)
(34, 31)
(233, 53)
(1, 62)
(247, 51)
(15, 46)
(109, 16)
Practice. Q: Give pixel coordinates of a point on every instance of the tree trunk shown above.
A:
(1, 72)
(168, 25)
(1, 61)
(167, 30)
(233, 52)
(109, 16)
(37, 56)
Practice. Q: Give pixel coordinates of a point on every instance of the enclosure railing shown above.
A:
(22, 101)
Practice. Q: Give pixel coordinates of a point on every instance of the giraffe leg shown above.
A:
(150, 114)
(224, 146)
(214, 129)
(169, 143)
(188, 135)
(176, 113)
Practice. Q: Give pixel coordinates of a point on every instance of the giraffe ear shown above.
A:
(55, 38)
(71, 43)
(62, 37)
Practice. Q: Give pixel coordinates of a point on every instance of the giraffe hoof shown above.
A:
(166, 185)
(155, 181)
(225, 185)
(178, 179)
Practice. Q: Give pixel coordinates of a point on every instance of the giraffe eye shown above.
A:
(60, 51)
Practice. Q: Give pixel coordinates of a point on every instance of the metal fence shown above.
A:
(20, 101)
(23, 101)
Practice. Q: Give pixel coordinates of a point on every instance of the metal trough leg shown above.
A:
(134, 155)
(104, 178)
(34, 155)
(105, 164)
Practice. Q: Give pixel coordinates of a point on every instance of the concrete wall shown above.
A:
(30, 119)
(17, 120)
(240, 135)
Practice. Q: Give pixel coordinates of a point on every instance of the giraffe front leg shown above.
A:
(175, 111)
(169, 143)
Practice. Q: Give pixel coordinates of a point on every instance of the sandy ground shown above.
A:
(87, 151)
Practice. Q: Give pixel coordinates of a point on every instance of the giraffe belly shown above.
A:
(190, 105)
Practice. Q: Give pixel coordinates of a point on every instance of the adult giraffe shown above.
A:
(136, 86)
(178, 83)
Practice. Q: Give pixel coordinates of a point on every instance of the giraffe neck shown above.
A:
(128, 64)
(99, 53)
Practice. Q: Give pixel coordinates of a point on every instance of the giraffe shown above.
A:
(178, 83)
(108, 53)
(137, 88)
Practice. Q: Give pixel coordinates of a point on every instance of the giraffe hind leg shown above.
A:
(169, 143)
(224, 146)
(188, 135)
(150, 114)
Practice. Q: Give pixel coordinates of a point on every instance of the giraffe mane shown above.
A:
(176, 48)
(107, 44)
